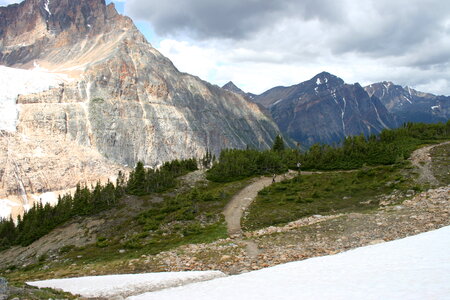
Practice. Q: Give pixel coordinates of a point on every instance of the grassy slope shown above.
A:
(142, 226)
(327, 193)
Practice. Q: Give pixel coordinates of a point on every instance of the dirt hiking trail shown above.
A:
(422, 160)
(235, 209)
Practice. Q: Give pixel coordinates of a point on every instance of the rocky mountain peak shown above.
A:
(409, 104)
(327, 79)
(57, 31)
(325, 109)
(230, 86)
(324, 81)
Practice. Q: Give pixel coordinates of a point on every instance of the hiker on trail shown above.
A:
(273, 179)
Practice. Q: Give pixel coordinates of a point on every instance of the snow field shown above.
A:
(6, 208)
(416, 267)
(18, 81)
(125, 285)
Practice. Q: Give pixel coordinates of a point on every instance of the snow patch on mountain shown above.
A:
(47, 198)
(18, 81)
(46, 4)
(6, 208)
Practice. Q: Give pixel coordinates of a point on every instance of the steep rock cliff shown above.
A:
(124, 99)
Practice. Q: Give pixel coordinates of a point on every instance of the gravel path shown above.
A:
(240, 202)
(235, 209)
(422, 160)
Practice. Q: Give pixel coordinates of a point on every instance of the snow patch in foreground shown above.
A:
(125, 285)
(21, 82)
(416, 267)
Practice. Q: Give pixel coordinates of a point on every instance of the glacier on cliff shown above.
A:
(16, 82)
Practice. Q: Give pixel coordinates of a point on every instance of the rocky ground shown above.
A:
(310, 237)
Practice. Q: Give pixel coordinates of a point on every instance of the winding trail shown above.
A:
(240, 202)
(422, 160)
(235, 209)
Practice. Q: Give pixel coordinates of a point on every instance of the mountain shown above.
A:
(411, 105)
(325, 109)
(230, 86)
(118, 99)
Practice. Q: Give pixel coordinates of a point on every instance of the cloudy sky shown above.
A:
(259, 44)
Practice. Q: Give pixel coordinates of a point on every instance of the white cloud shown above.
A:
(407, 42)
(7, 2)
(260, 44)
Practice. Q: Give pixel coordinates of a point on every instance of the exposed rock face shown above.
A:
(33, 165)
(126, 101)
(130, 102)
(325, 109)
(411, 105)
(230, 86)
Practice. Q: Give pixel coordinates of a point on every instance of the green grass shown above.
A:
(325, 193)
(194, 216)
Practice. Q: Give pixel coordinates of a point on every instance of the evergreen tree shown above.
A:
(278, 144)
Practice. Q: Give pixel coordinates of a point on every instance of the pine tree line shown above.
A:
(41, 219)
(390, 147)
(146, 181)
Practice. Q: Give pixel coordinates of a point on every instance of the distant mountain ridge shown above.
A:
(325, 109)
(410, 105)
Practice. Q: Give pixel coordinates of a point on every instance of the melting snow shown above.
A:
(435, 107)
(115, 286)
(343, 114)
(18, 81)
(318, 81)
(416, 267)
(407, 99)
